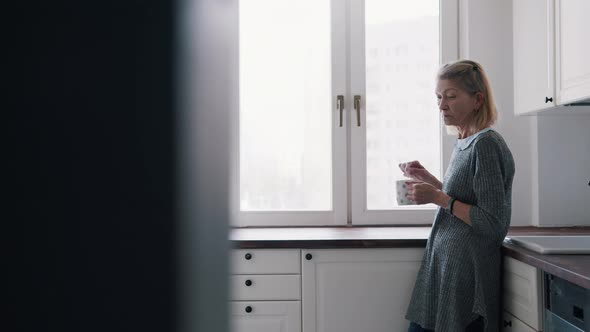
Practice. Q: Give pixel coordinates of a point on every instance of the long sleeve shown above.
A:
(490, 215)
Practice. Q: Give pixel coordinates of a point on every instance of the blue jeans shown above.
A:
(475, 326)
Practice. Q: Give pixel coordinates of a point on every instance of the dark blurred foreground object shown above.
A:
(97, 165)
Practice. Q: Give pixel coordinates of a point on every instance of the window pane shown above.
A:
(402, 57)
(285, 105)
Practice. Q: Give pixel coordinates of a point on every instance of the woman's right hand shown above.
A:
(414, 170)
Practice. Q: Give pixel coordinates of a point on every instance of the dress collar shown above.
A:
(463, 143)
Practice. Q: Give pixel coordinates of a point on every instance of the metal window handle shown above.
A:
(357, 107)
(340, 106)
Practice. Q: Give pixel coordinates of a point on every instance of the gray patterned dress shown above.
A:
(459, 279)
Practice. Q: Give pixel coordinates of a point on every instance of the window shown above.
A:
(301, 160)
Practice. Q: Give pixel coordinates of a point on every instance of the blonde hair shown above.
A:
(471, 77)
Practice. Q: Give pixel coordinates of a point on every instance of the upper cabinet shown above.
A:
(533, 56)
(573, 51)
(551, 66)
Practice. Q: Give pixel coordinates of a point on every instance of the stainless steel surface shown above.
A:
(553, 244)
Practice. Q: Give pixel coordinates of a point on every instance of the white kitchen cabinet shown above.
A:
(522, 295)
(265, 291)
(513, 324)
(550, 56)
(265, 316)
(573, 50)
(534, 64)
(352, 290)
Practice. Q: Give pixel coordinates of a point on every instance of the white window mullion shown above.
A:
(449, 51)
(356, 50)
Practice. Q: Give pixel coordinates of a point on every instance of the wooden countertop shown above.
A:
(330, 237)
(574, 268)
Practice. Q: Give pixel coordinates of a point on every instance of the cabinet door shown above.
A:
(352, 290)
(573, 50)
(266, 316)
(523, 292)
(513, 324)
(533, 55)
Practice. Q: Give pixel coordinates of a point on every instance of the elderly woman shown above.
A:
(457, 288)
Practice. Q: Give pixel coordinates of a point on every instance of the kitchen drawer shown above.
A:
(268, 316)
(523, 292)
(265, 261)
(513, 324)
(265, 287)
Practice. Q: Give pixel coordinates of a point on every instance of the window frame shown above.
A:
(348, 144)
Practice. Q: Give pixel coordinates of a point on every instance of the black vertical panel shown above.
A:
(95, 167)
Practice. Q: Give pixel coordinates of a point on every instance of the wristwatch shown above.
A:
(450, 204)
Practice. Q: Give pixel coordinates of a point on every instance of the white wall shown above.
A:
(486, 37)
(564, 170)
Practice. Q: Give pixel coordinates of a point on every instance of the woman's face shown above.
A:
(455, 104)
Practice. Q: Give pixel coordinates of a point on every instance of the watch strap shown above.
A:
(450, 204)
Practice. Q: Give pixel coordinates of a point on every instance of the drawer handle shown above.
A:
(547, 99)
(308, 257)
(248, 309)
(248, 282)
(507, 323)
(248, 256)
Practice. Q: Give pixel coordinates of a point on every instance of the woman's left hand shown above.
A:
(421, 193)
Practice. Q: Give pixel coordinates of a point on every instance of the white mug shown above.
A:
(402, 190)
